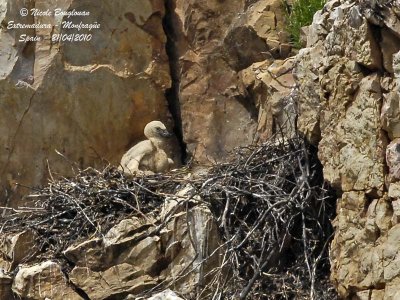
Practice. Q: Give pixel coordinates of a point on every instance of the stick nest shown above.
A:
(270, 202)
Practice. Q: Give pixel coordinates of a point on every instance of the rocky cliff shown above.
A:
(220, 48)
(200, 67)
(204, 68)
(87, 100)
(348, 106)
(220, 74)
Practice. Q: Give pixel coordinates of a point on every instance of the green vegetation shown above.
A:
(300, 13)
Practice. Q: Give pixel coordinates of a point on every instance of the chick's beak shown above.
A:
(165, 133)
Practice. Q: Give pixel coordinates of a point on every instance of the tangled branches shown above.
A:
(71, 209)
(274, 211)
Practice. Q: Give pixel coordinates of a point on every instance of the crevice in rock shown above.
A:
(249, 3)
(77, 289)
(377, 38)
(372, 194)
(365, 70)
(80, 292)
(369, 198)
(161, 265)
(248, 102)
(172, 94)
(386, 170)
(386, 140)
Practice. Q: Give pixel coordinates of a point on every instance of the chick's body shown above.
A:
(149, 156)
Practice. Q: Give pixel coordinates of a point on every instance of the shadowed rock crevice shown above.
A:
(376, 39)
(172, 94)
(77, 289)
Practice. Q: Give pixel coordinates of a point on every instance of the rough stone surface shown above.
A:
(393, 160)
(113, 282)
(188, 246)
(352, 142)
(16, 248)
(43, 281)
(348, 105)
(214, 41)
(270, 84)
(132, 256)
(87, 100)
(126, 242)
(390, 116)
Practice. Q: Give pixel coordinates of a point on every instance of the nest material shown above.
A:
(69, 210)
(274, 210)
(270, 201)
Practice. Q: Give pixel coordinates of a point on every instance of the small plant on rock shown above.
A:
(300, 13)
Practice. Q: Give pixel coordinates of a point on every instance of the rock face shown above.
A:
(271, 86)
(134, 256)
(113, 282)
(43, 281)
(188, 248)
(15, 249)
(88, 100)
(233, 78)
(348, 105)
(178, 249)
(215, 40)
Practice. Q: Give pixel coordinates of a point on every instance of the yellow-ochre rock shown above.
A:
(87, 100)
